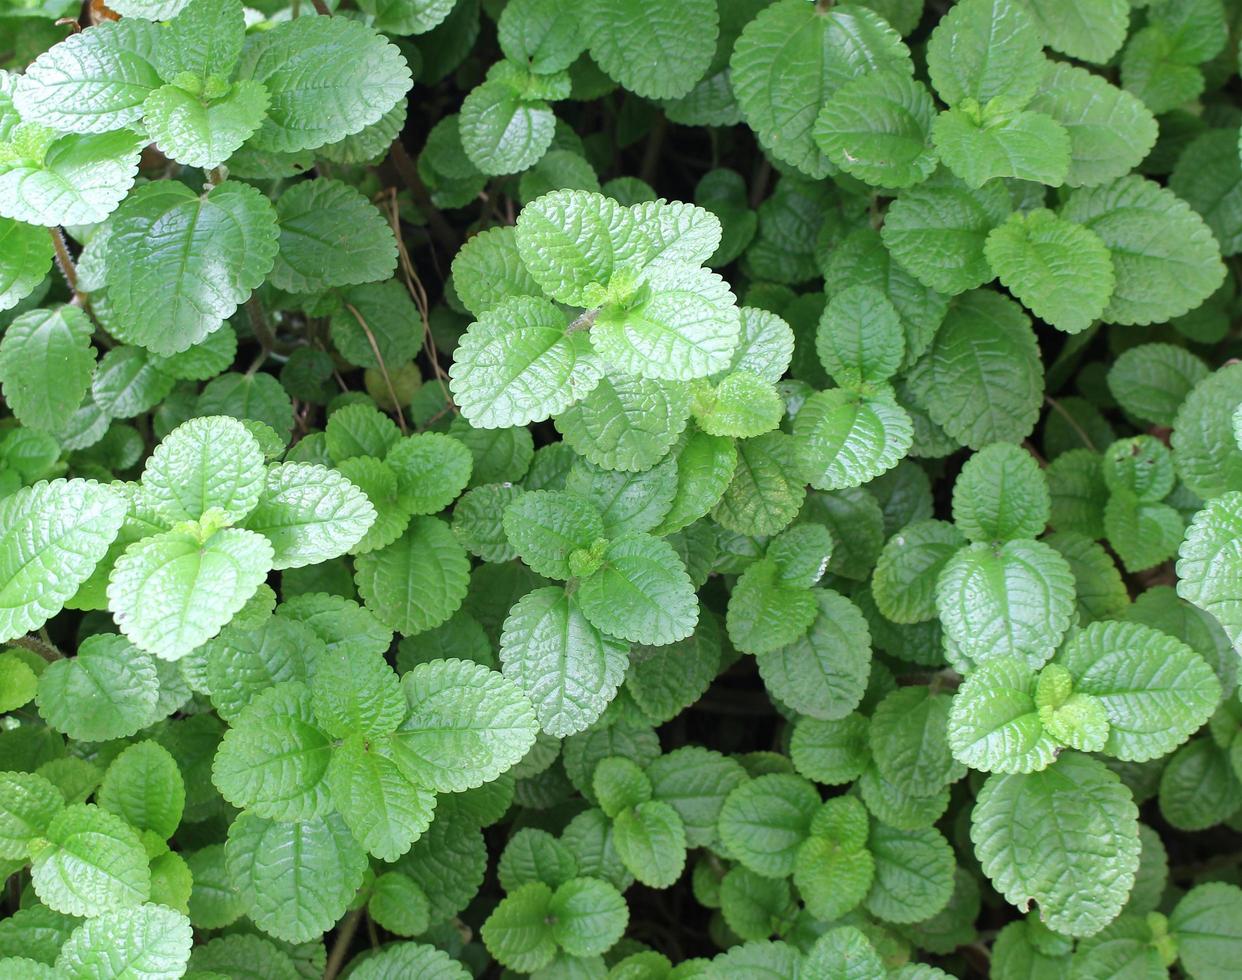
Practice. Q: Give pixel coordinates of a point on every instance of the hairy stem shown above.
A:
(383, 368)
(47, 651)
(63, 259)
(340, 946)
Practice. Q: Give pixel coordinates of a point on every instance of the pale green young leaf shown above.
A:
(330, 235)
(203, 135)
(1151, 381)
(151, 941)
(568, 668)
(201, 585)
(269, 864)
(28, 803)
(309, 514)
(109, 690)
(653, 49)
(328, 78)
(980, 146)
(1207, 456)
(1062, 272)
(985, 49)
(765, 820)
(640, 592)
(845, 439)
(418, 581)
(859, 338)
(878, 128)
(52, 536)
(1016, 599)
(207, 463)
(518, 364)
(518, 933)
(46, 364)
(466, 725)
(651, 841)
(355, 692)
(25, 258)
(546, 528)
(994, 724)
(502, 130)
(384, 811)
(169, 289)
(1001, 494)
(74, 179)
(742, 406)
(90, 862)
(274, 757)
(626, 423)
(793, 57)
(93, 81)
(144, 786)
(1165, 260)
(1065, 838)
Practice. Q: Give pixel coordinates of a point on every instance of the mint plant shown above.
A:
(624, 490)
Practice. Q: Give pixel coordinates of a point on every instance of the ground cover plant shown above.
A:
(620, 489)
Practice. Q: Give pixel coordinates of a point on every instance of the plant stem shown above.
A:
(1073, 422)
(45, 650)
(655, 143)
(321, 8)
(64, 259)
(340, 946)
(383, 368)
(406, 169)
(585, 321)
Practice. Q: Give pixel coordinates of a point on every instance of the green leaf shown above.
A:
(1110, 130)
(109, 690)
(908, 740)
(170, 288)
(982, 380)
(1001, 494)
(705, 466)
(355, 692)
(619, 784)
(653, 49)
(25, 258)
(1065, 838)
(1209, 569)
(407, 16)
(766, 492)
(568, 668)
(46, 364)
(845, 439)
(328, 78)
(859, 339)
(570, 240)
(1165, 260)
(904, 580)
(546, 528)
(310, 514)
(144, 786)
(502, 130)
(589, 916)
(979, 146)
(330, 235)
(878, 128)
(1207, 456)
(765, 820)
(994, 724)
(273, 759)
(52, 535)
(207, 463)
(269, 864)
(90, 862)
(384, 811)
(823, 674)
(651, 841)
(1062, 272)
(626, 423)
(540, 34)
(201, 585)
(1151, 381)
(28, 804)
(834, 870)
(431, 469)
(93, 81)
(742, 405)
(518, 364)
(764, 613)
(640, 592)
(518, 933)
(359, 430)
(937, 230)
(204, 135)
(830, 752)
(73, 179)
(1143, 534)
(149, 941)
(913, 873)
(466, 725)
(1016, 599)
(793, 58)
(418, 581)
(1092, 31)
(488, 270)
(243, 662)
(204, 39)
(695, 782)
(1207, 176)
(986, 49)
(844, 953)
(626, 501)
(1204, 925)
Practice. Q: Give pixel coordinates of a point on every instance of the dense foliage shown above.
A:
(631, 489)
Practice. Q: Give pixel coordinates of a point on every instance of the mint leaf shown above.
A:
(148, 941)
(109, 690)
(418, 581)
(654, 50)
(89, 863)
(27, 256)
(640, 592)
(46, 365)
(982, 146)
(1001, 495)
(205, 464)
(1209, 568)
(201, 135)
(844, 439)
(384, 811)
(995, 723)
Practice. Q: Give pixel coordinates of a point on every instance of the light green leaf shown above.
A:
(844, 439)
(982, 145)
(382, 808)
(488, 270)
(466, 726)
(1204, 924)
(1207, 456)
(151, 942)
(859, 339)
(269, 864)
(589, 916)
(25, 258)
(518, 933)
(90, 862)
(640, 592)
(913, 873)
(518, 364)
(46, 364)
(705, 466)
(328, 78)
(908, 741)
(502, 130)
(1091, 31)
(1209, 569)
(1065, 838)
(994, 725)
(830, 752)
(204, 39)
(170, 288)
(653, 49)
(793, 57)
(985, 49)
(93, 81)
(144, 786)
(73, 179)
(546, 527)
(765, 820)
(207, 463)
(1016, 599)
(626, 423)
(355, 692)
(1001, 494)
(201, 585)
(28, 803)
(52, 536)
(203, 135)
(1062, 272)
(418, 581)
(359, 430)
(903, 583)
(1165, 260)
(1143, 533)
(109, 690)
(568, 669)
(764, 614)
(651, 841)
